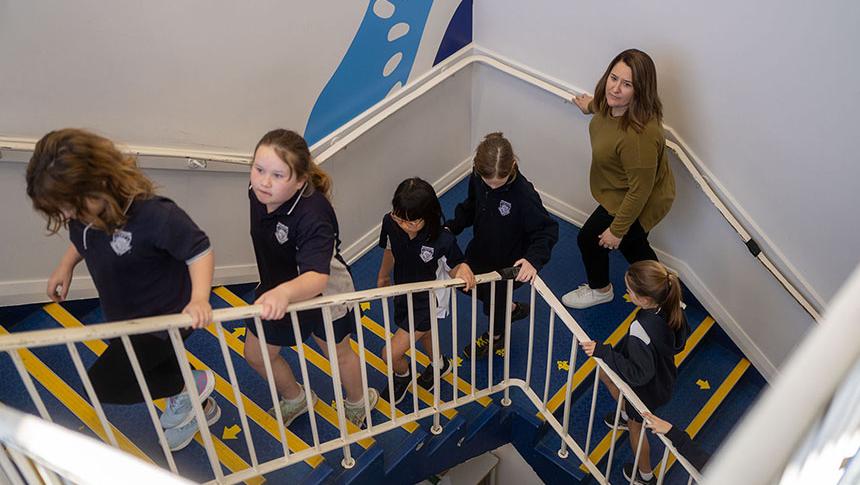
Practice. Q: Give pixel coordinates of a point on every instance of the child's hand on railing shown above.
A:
(274, 302)
(527, 271)
(588, 346)
(200, 312)
(656, 424)
(464, 272)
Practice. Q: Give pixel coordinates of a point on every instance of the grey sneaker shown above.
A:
(585, 296)
(180, 436)
(356, 414)
(177, 412)
(290, 410)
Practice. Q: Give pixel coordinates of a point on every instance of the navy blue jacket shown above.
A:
(510, 223)
(645, 357)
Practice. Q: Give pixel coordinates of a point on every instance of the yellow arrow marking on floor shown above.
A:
(231, 433)
(563, 365)
(239, 331)
(713, 403)
(693, 341)
(703, 385)
(73, 401)
(588, 366)
(365, 305)
(228, 457)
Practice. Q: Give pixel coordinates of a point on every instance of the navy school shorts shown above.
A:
(280, 332)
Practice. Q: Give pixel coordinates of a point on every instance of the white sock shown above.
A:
(647, 476)
(405, 374)
(300, 397)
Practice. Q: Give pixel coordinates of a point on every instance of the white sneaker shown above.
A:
(585, 296)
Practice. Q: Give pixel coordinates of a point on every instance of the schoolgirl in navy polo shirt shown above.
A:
(511, 228)
(146, 258)
(416, 249)
(295, 235)
(645, 357)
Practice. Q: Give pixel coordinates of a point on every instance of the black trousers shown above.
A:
(634, 246)
(113, 377)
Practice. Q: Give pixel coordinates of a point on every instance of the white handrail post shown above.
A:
(663, 463)
(506, 399)
(413, 351)
(531, 334)
(492, 336)
(303, 366)
(273, 392)
(474, 338)
(196, 404)
(348, 461)
(567, 400)
(593, 408)
(388, 359)
(638, 452)
(147, 398)
(435, 359)
(91, 393)
(454, 353)
(28, 384)
(614, 434)
(548, 356)
(237, 394)
(359, 328)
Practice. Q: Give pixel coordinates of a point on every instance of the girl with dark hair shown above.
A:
(295, 235)
(630, 176)
(417, 249)
(645, 357)
(146, 258)
(511, 228)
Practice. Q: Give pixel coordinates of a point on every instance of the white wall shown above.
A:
(763, 92)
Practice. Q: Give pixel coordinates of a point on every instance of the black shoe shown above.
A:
(628, 472)
(425, 380)
(482, 346)
(609, 421)
(521, 311)
(401, 385)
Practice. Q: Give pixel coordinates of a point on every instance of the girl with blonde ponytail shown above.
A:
(296, 242)
(645, 357)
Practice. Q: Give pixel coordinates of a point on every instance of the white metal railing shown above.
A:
(471, 54)
(476, 390)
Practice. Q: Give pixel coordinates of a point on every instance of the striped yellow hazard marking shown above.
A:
(713, 403)
(73, 401)
(226, 456)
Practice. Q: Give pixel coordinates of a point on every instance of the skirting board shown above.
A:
(752, 352)
(366, 242)
(34, 291)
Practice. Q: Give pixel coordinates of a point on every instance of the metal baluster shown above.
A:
(390, 372)
(492, 339)
(506, 399)
(237, 394)
(362, 362)
(436, 358)
(567, 401)
(593, 408)
(454, 353)
(531, 335)
(414, 371)
(273, 392)
(614, 433)
(663, 463)
(548, 356)
(474, 338)
(348, 461)
(303, 366)
(28, 384)
(91, 393)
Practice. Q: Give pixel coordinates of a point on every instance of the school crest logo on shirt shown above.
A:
(426, 254)
(504, 207)
(282, 233)
(121, 242)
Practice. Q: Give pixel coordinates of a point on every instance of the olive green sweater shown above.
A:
(630, 175)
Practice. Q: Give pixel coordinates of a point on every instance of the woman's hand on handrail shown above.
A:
(582, 101)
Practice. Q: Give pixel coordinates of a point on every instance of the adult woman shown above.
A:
(630, 176)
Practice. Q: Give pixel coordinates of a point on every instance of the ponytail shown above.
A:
(655, 281)
(320, 181)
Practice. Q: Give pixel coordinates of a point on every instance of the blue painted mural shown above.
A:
(380, 59)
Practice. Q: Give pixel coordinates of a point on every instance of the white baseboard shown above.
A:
(370, 239)
(716, 309)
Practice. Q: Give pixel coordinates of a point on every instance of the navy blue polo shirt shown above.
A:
(299, 236)
(417, 260)
(141, 269)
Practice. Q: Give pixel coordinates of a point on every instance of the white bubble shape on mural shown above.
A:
(383, 9)
(394, 88)
(398, 31)
(392, 64)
